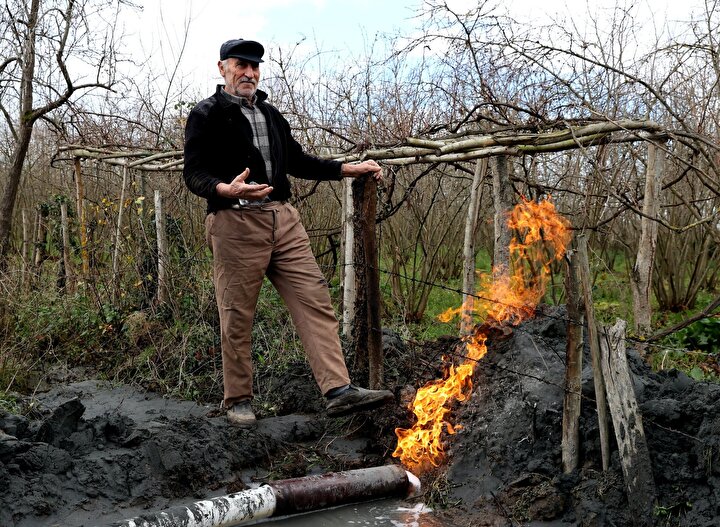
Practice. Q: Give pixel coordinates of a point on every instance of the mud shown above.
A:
(505, 467)
(90, 453)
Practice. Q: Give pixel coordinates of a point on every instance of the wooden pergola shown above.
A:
(360, 242)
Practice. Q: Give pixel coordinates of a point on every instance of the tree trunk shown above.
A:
(641, 276)
(469, 247)
(22, 143)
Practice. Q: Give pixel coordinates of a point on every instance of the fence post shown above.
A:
(82, 219)
(502, 198)
(367, 331)
(572, 402)
(348, 271)
(469, 246)
(641, 276)
(65, 227)
(162, 290)
(598, 380)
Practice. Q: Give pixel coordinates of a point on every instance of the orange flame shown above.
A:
(541, 236)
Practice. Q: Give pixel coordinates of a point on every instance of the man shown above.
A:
(238, 152)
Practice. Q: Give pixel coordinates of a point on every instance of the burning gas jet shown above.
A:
(540, 237)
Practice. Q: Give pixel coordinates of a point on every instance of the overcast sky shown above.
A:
(346, 27)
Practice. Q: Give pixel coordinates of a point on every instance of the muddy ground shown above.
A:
(89, 453)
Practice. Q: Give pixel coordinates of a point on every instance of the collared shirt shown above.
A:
(261, 137)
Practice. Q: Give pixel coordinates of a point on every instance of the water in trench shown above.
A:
(382, 513)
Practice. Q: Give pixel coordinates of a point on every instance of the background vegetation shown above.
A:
(477, 71)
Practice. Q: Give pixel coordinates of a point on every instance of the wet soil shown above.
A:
(86, 452)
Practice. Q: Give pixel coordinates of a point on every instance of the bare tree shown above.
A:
(41, 39)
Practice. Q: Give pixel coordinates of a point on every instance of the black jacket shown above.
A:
(219, 146)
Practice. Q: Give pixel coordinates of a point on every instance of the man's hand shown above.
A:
(237, 189)
(369, 167)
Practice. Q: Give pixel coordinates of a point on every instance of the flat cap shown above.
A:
(242, 49)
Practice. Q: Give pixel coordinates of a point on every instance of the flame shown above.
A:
(505, 298)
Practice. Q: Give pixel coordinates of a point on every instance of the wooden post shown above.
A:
(66, 246)
(24, 250)
(627, 422)
(641, 276)
(82, 227)
(468, 287)
(38, 248)
(118, 228)
(502, 197)
(573, 367)
(598, 380)
(348, 273)
(367, 332)
(162, 288)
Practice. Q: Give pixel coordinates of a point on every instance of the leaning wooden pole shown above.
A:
(627, 422)
(595, 351)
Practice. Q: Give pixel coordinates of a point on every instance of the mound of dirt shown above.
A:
(506, 460)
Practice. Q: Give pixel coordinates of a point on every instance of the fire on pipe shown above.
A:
(284, 497)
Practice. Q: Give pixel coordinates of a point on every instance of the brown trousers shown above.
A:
(248, 244)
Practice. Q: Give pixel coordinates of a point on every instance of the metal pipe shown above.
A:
(285, 497)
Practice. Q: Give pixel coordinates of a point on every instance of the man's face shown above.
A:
(241, 77)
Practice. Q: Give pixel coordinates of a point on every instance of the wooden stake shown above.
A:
(469, 246)
(118, 227)
(66, 246)
(573, 368)
(367, 333)
(595, 351)
(502, 197)
(162, 288)
(641, 276)
(82, 227)
(348, 274)
(627, 422)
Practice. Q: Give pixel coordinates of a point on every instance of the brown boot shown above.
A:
(355, 399)
(240, 414)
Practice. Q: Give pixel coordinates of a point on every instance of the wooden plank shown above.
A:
(627, 422)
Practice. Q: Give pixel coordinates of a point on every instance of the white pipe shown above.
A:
(223, 511)
(283, 497)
